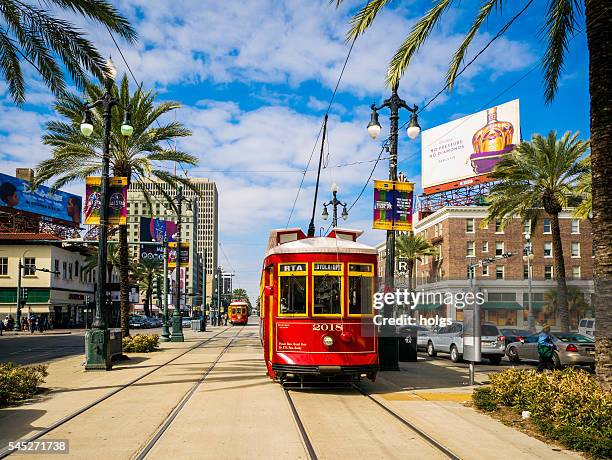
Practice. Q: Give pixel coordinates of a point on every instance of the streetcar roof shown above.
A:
(323, 244)
(238, 302)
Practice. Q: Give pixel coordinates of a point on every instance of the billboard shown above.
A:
(393, 205)
(464, 151)
(15, 194)
(155, 230)
(117, 200)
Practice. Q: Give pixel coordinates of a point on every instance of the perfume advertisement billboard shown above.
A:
(154, 230)
(464, 151)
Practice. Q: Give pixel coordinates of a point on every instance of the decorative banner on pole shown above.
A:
(172, 255)
(393, 205)
(117, 203)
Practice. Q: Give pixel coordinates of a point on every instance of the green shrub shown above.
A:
(19, 382)
(566, 405)
(140, 343)
(484, 399)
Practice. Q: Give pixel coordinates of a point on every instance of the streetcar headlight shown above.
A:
(328, 341)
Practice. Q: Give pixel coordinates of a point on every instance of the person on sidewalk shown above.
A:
(546, 350)
(1, 327)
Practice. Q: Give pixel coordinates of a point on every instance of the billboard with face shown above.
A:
(464, 151)
(15, 194)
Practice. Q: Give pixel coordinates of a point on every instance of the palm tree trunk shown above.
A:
(124, 281)
(560, 273)
(147, 308)
(598, 26)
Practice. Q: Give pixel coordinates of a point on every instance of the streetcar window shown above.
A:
(327, 294)
(292, 294)
(233, 311)
(360, 295)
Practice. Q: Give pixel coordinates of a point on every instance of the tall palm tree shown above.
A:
(576, 304)
(75, 156)
(144, 272)
(540, 174)
(112, 259)
(583, 190)
(413, 247)
(559, 23)
(30, 33)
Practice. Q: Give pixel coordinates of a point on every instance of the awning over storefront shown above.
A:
(428, 306)
(537, 306)
(500, 305)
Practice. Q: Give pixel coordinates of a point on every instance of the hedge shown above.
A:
(20, 382)
(140, 343)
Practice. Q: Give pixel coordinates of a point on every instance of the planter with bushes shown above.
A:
(140, 343)
(20, 382)
(568, 406)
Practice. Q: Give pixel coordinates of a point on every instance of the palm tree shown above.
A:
(75, 156)
(112, 261)
(540, 174)
(576, 304)
(413, 247)
(30, 33)
(584, 210)
(144, 272)
(559, 23)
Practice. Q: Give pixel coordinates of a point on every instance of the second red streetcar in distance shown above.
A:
(238, 312)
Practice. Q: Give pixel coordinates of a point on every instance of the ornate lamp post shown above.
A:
(165, 334)
(528, 257)
(388, 348)
(97, 338)
(177, 320)
(334, 203)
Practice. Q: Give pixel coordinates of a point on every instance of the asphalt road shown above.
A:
(40, 348)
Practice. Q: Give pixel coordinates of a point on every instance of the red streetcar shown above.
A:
(238, 312)
(316, 306)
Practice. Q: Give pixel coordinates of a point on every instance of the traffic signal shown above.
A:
(24, 294)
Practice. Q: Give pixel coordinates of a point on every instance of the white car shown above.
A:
(587, 327)
(449, 339)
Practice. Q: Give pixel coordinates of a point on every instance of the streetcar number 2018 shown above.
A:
(327, 327)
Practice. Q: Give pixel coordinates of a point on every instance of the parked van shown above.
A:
(449, 339)
(587, 327)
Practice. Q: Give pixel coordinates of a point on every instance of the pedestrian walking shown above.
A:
(11, 323)
(41, 325)
(1, 327)
(32, 324)
(546, 350)
(225, 319)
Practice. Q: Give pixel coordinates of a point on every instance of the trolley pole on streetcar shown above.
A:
(388, 347)
(177, 320)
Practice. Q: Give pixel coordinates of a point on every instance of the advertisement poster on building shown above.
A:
(15, 194)
(154, 230)
(464, 151)
(393, 205)
(117, 203)
(172, 255)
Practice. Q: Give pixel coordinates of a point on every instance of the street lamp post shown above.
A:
(334, 203)
(528, 257)
(177, 320)
(388, 347)
(165, 334)
(97, 339)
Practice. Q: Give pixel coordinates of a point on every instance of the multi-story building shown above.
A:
(199, 226)
(61, 294)
(460, 240)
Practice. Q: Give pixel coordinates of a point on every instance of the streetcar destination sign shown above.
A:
(327, 267)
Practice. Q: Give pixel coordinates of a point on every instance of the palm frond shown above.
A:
(10, 68)
(364, 18)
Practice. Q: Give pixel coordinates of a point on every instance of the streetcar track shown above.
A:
(310, 448)
(177, 409)
(5, 452)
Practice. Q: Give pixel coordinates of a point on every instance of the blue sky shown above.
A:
(255, 78)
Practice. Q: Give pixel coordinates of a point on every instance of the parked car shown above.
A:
(513, 335)
(137, 322)
(449, 339)
(573, 349)
(422, 334)
(152, 321)
(587, 327)
(186, 321)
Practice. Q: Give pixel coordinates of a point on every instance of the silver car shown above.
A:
(449, 339)
(573, 349)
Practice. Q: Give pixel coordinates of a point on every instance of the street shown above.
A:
(40, 348)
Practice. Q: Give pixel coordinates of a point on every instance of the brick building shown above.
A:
(457, 235)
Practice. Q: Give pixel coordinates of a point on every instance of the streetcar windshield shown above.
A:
(327, 295)
(292, 294)
(360, 295)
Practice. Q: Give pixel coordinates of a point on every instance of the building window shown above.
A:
(485, 270)
(498, 227)
(435, 230)
(485, 246)
(469, 225)
(3, 266)
(29, 266)
(547, 249)
(525, 272)
(499, 272)
(547, 226)
(56, 268)
(576, 273)
(527, 227)
(548, 272)
(470, 249)
(501, 296)
(64, 270)
(499, 248)
(70, 270)
(575, 249)
(76, 269)
(575, 226)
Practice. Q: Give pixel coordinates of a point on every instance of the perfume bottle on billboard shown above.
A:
(491, 143)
